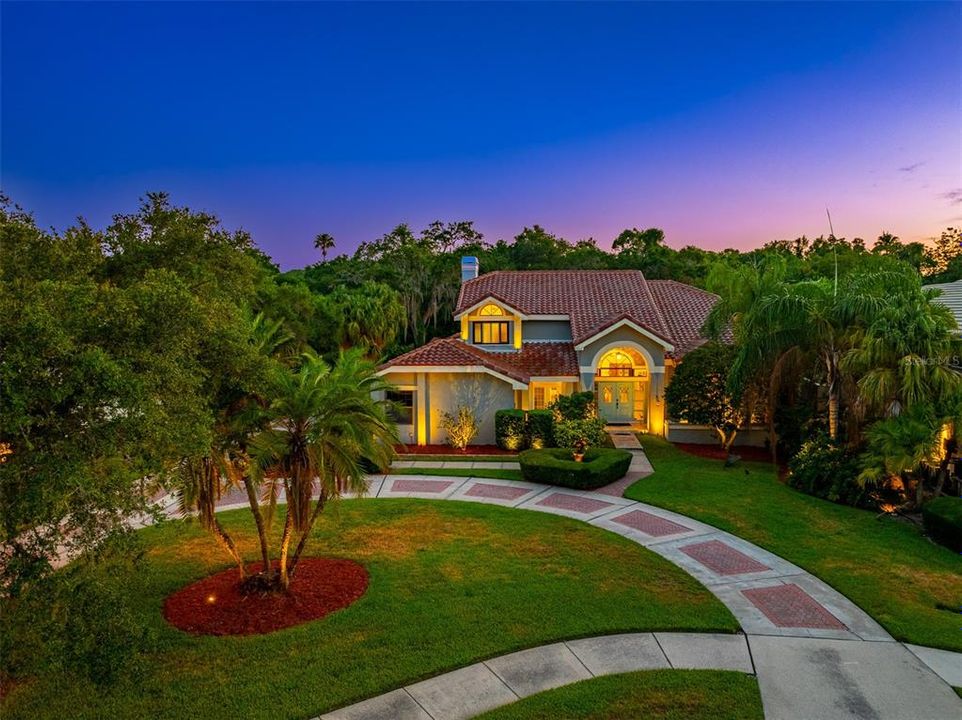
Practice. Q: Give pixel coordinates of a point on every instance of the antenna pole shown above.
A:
(834, 250)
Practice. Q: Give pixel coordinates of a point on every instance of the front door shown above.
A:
(616, 401)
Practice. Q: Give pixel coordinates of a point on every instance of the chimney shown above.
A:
(469, 268)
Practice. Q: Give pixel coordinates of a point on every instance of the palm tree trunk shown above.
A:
(729, 441)
(283, 576)
(832, 413)
(302, 541)
(831, 366)
(268, 517)
(259, 522)
(228, 544)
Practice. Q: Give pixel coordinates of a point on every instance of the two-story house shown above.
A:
(528, 336)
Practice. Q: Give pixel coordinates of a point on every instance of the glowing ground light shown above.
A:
(211, 599)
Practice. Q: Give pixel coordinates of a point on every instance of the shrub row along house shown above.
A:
(529, 336)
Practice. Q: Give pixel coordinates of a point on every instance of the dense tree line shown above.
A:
(423, 270)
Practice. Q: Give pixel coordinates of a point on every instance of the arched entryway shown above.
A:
(622, 386)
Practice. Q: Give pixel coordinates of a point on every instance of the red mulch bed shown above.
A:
(215, 606)
(448, 450)
(713, 452)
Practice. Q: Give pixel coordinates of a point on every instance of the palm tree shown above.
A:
(903, 355)
(816, 318)
(324, 242)
(326, 422)
(739, 288)
(240, 412)
(370, 317)
(899, 448)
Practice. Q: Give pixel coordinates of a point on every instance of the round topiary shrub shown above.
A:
(555, 466)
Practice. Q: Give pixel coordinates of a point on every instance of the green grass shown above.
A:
(461, 472)
(910, 585)
(458, 456)
(451, 583)
(651, 694)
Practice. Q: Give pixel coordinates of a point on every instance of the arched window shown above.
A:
(490, 309)
(616, 363)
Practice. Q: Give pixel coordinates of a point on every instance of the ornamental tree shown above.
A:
(699, 394)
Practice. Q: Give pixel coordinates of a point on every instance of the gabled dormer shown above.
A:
(492, 325)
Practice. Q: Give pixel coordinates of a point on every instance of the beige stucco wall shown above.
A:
(483, 393)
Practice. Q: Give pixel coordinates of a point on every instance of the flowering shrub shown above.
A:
(461, 428)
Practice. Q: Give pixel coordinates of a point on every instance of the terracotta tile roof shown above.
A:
(533, 360)
(684, 308)
(597, 299)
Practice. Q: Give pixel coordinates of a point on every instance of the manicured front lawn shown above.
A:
(496, 473)
(450, 583)
(455, 457)
(910, 585)
(652, 694)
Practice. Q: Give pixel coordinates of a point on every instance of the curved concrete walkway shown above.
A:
(502, 680)
(815, 653)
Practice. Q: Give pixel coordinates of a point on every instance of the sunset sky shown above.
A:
(727, 125)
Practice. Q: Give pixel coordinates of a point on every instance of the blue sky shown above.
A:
(725, 124)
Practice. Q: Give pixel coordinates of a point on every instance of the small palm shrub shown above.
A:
(461, 427)
(826, 470)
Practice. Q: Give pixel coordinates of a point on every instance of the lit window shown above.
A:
(618, 363)
(539, 398)
(491, 333)
(491, 309)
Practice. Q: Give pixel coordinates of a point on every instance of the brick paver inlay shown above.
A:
(650, 524)
(723, 559)
(788, 606)
(501, 492)
(425, 486)
(573, 502)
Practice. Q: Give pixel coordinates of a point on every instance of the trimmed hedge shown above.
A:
(540, 430)
(509, 430)
(512, 432)
(554, 466)
(576, 406)
(942, 518)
